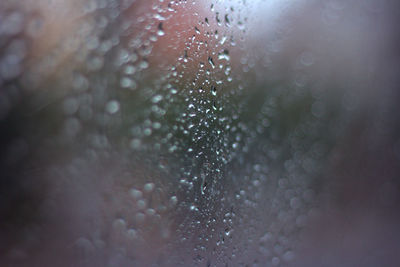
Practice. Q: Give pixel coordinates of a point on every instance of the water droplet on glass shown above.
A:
(160, 31)
(210, 60)
(213, 90)
(149, 187)
(156, 98)
(112, 106)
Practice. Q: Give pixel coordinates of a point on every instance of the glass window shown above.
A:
(199, 133)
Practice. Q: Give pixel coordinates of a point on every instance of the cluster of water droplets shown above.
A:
(217, 169)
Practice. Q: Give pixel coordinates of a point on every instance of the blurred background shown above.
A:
(199, 133)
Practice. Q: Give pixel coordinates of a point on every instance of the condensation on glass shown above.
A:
(199, 133)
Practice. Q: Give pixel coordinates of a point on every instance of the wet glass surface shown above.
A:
(199, 133)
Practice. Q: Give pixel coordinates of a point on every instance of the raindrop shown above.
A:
(156, 98)
(147, 132)
(129, 70)
(144, 64)
(149, 187)
(128, 83)
(112, 106)
(135, 143)
(213, 90)
(307, 59)
(160, 31)
(137, 194)
(224, 55)
(228, 232)
(227, 21)
(223, 40)
(173, 200)
(141, 204)
(210, 60)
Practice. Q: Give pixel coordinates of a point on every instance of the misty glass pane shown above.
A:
(199, 133)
